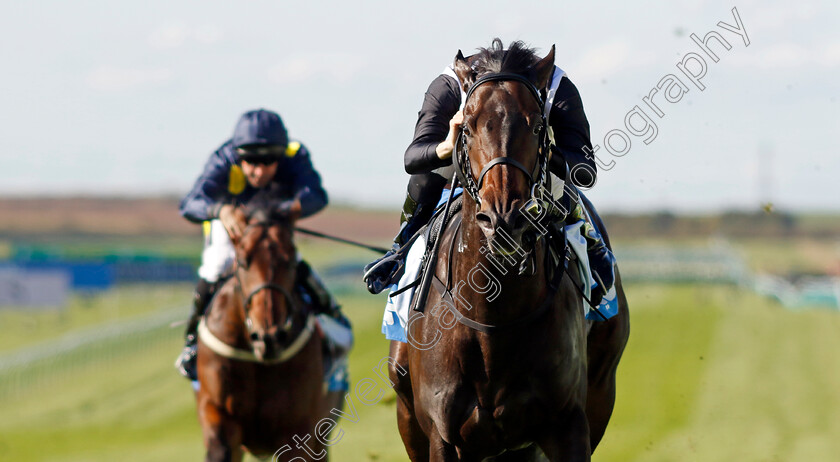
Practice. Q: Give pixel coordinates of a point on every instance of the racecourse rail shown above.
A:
(718, 263)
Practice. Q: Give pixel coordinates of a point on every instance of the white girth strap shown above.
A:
(223, 349)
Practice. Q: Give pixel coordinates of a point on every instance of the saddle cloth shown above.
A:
(397, 307)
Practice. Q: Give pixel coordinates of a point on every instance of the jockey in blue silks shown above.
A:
(259, 157)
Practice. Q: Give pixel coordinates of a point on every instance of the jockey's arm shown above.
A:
(571, 136)
(440, 103)
(209, 192)
(309, 195)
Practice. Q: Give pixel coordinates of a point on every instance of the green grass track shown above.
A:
(711, 374)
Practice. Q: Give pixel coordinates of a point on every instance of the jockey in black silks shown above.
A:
(428, 161)
(259, 157)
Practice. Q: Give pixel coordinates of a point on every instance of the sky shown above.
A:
(130, 98)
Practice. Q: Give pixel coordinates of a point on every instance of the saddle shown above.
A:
(556, 258)
(403, 296)
(430, 232)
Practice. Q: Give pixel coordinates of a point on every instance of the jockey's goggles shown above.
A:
(260, 155)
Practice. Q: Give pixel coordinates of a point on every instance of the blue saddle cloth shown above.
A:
(397, 307)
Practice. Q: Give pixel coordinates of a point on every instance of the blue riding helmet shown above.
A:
(260, 128)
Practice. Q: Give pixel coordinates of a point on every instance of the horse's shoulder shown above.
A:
(224, 297)
(442, 267)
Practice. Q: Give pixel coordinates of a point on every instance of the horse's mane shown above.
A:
(519, 58)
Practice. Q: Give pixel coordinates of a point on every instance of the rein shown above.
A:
(341, 239)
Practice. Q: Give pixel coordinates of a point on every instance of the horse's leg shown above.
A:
(333, 400)
(569, 441)
(222, 438)
(605, 345)
(441, 451)
(415, 441)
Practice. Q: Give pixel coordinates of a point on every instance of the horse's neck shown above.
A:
(225, 318)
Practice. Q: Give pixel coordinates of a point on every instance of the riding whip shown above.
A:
(429, 267)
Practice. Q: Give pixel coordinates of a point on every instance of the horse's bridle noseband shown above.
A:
(461, 159)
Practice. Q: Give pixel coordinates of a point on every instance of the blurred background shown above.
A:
(724, 215)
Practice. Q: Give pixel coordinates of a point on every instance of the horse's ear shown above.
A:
(241, 217)
(544, 69)
(464, 71)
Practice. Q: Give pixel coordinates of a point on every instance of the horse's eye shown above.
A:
(537, 129)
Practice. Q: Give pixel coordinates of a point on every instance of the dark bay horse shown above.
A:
(259, 354)
(504, 367)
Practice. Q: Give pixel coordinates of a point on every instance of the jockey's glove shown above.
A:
(290, 209)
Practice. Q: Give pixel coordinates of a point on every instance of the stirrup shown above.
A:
(387, 270)
(380, 273)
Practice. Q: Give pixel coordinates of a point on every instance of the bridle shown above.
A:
(300, 340)
(537, 176)
(269, 285)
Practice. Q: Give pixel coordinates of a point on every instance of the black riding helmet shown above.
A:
(260, 137)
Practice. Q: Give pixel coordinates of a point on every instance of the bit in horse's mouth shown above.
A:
(502, 248)
(510, 254)
(504, 257)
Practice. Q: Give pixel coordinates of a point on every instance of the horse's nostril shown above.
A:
(255, 336)
(484, 219)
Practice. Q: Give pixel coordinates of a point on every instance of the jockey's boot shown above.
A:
(338, 336)
(185, 363)
(315, 289)
(335, 347)
(380, 273)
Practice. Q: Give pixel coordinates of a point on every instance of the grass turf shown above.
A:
(711, 373)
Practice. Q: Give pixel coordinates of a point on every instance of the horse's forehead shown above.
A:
(267, 237)
(500, 110)
(502, 99)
